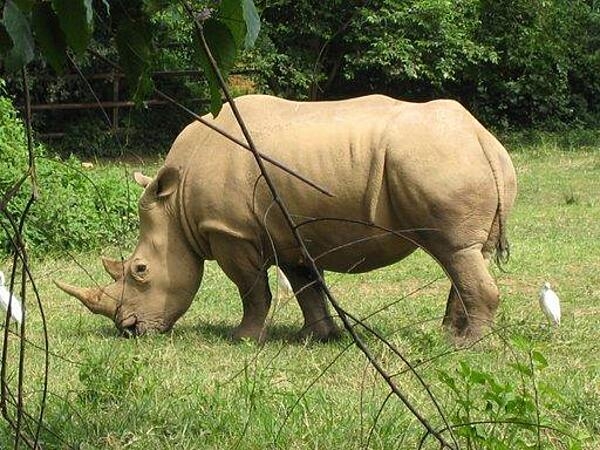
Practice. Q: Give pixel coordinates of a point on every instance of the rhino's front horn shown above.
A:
(94, 299)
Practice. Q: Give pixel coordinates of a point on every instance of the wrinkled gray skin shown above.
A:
(429, 172)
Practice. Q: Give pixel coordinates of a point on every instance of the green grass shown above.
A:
(194, 389)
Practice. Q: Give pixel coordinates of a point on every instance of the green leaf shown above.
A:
(49, 36)
(520, 342)
(18, 29)
(464, 370)
(241, 17)
(154, 6)
(576, 445)
(222, 46)
(523, 368)
(134, 38)
(231, 14)
(24, 5)
(540, 359)
(478, 377)
(76, 21)
(445, 378)
(6, 42)
(252, 21)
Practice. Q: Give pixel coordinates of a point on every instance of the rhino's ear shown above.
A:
(167, 181)
(141, 179)
(162, 186)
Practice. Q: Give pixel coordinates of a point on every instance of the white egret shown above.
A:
(16, 311)
(284, 286)
(550, 304)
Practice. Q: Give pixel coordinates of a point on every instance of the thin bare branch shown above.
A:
(23, 419)
(344, 316)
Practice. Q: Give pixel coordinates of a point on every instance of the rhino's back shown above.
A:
(392, 163)
(335, 144)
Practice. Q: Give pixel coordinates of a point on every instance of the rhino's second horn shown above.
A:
(114, 267)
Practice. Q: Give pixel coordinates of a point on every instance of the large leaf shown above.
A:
(24, 5)
(134, 38)
(76, 21)
(6, 42)
(222, 46)
(252, 22)
(241, 17)
(17, 27)
(49, 36)
(231, 14)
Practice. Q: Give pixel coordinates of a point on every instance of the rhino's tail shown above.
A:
(502, 254)
(498, 241)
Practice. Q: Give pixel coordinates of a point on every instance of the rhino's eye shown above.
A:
(139, 271)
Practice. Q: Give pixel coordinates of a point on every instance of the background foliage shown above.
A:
(76, 210)
(514, 63)
(143, 37)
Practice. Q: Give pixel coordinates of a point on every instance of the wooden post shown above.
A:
(115, 111)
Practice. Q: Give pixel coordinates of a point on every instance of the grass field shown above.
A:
(194, 389)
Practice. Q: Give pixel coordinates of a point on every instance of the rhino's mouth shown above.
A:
(131, 326)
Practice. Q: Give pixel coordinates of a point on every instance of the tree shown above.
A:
(512, 62)
(58, 28)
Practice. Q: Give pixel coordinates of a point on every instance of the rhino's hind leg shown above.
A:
(474, 296)
(318, 323)
(242, 264)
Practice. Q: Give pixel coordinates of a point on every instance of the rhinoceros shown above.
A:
(403, 176)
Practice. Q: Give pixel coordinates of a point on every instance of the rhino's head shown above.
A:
(156, 285)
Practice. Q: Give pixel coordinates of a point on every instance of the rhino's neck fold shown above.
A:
(184, 217)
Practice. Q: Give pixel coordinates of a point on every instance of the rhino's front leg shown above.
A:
(318, 324)
(241, 262)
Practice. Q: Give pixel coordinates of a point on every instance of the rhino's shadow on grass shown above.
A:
(288, 334)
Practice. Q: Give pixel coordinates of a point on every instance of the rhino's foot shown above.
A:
(463, 337)
(322, 331)
(473, 298)
(463, 333)
(256, 334)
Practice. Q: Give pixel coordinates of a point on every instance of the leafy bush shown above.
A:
(76, 209)
(496, 411)
(516, 64)
(142, 132)
(547, 72)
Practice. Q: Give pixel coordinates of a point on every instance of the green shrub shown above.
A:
(506, 411)
(517, 63)
(77, 209)
(143, 132)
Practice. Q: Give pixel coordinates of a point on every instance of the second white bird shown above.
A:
(550, 304)
(16, 311)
